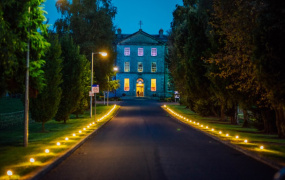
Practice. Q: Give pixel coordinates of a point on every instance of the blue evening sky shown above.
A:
(154, 14)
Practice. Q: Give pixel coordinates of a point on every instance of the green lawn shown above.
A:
(9, 105)
(15, 157)
(274, 148)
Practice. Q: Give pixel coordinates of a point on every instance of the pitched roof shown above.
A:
(140, 38)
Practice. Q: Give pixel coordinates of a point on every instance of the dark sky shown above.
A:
(154, 14)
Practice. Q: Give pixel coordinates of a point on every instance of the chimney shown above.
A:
(119, 31)
(161, 33)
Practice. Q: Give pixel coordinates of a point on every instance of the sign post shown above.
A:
(95, 89)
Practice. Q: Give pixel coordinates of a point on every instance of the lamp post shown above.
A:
(115, 69)
(102, 54)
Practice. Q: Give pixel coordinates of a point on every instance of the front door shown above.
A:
(140, 90)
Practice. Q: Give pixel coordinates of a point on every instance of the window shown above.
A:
(127, 84)
(140, 67)
(153, 85)
(153, 52)
(140, 51)
(127, 66)
(153, 67)
(127, 51)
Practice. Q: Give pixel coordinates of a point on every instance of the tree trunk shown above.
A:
(268, 117)
(280, 120)
(245, 118)
(223, 115)
(43, 126)
(234, 119)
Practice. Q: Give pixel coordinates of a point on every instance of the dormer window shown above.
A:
(127, 51)
(153, 52)
(140, 51)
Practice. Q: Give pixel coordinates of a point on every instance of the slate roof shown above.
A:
(121, 38)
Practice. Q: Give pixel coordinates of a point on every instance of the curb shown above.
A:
(255, 156)
(43, 171)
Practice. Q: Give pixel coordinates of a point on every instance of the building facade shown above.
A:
(141, 65)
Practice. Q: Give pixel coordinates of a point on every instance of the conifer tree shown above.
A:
(72, 72)
(45, 105)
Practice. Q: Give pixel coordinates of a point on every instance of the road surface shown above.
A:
(143, 142)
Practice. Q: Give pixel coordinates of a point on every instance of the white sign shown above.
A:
(91, 94)
(95, 88)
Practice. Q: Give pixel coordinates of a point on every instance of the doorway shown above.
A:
(140, 88)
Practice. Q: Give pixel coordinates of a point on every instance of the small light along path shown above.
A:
(61, 143)
(234, 139)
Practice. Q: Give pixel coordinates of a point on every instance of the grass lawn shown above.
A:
(15, 157)
(274, 148)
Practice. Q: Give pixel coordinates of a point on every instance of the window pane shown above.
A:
(153, 85)
(127, 84)
(140, 67)
(127, 66)
(153, 52)
(140, 51)
(127, 51)
(153, 67)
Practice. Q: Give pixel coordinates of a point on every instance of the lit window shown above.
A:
(140, 51)
(153, 52)
(127, 84)
(127, 51)
(140, 67)
(153, 85)
(127, 66)
(153, 67)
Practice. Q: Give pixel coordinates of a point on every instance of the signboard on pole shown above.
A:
(91, 93)
(95, 88)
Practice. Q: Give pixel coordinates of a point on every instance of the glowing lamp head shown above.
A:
(237, 137)
(164, 105)
(207, 127)
(261, 147)
(103, 54)
(88, 126)
(80, 131)
(73, 134)
(115, 68)
(245, 141)
(47, 151)
(213, 129)
(84, 129)
(58, 143)
(202, 126)
(227, 134)
(9, 173)
(220, 132)
(32, 160)
(198, 123)
(66, 138)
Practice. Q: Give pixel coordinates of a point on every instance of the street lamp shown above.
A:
(104, 54)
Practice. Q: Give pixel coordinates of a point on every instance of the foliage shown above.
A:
(72, 74)
(90, 24)
(17, 25)
(45, 105)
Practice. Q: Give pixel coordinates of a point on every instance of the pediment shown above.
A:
(140, 38)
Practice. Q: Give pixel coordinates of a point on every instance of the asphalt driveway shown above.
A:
(143, 142)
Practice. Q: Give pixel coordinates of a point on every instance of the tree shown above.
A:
(90, 24)
(269, 57)
(45, 105)
(72, 74)
(17, 25)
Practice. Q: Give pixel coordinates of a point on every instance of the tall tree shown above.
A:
(45, 105)
(269, 57)
(72, 74)
(17, 25)
(90, 24)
